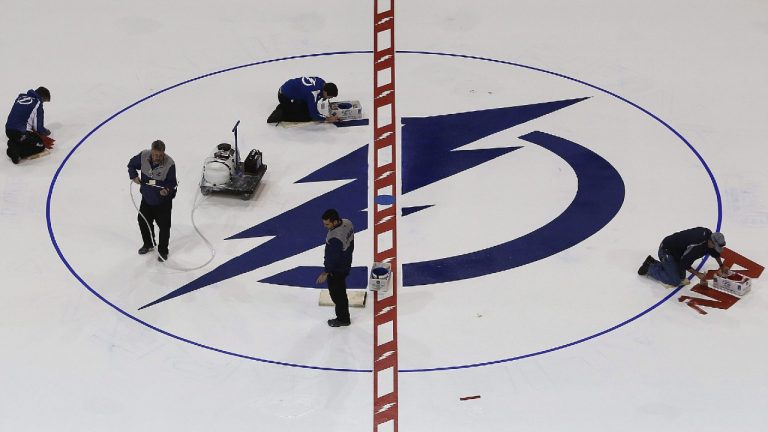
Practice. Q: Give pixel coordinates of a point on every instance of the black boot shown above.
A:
(145, 249)
(335, 322)
(643, 270)
(12, 153)
(276, 116)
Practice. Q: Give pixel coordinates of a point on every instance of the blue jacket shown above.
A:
(27, 114)
(307, 89)
(163, 174)
(689, 245)
(339, 246)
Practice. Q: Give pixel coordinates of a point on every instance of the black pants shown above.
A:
(161, 215)
(24, 143)
(292, 110)
(337, 287)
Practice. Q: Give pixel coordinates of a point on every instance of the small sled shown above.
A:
(43, 153)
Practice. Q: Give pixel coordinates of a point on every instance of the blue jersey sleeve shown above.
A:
(134, 166)
(315, 94)
(312, 100)
(170, 182)
(40, 126)
(333, 255)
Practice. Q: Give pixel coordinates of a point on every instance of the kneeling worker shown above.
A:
(25, 128)
(300, 101)
(677, 253)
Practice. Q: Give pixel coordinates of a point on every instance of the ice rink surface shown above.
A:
(659, 106)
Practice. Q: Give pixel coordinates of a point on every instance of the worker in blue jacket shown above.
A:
(155, 171)
(301, 100)
(339, 247)
(678, 252)
(25, 126)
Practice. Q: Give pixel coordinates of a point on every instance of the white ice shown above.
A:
(73, 360)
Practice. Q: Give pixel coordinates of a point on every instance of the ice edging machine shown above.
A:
(223, 171)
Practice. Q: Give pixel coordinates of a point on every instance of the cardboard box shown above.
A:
(733, 283)
(347, 110)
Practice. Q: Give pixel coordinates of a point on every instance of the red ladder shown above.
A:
(384, 217)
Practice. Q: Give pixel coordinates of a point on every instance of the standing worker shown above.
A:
(301, 100)
(25, 127)
(677, 253)
(158, 188)
(339, 246)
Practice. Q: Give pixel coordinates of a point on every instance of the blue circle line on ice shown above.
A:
(305, 56)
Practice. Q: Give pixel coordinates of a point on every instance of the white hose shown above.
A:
(194, 225)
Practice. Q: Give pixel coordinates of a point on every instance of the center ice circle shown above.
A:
(309, 56)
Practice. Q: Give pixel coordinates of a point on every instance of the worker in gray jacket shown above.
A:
(155, 171)
(339, 247)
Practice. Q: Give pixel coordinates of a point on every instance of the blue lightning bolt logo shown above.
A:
(430, 155)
